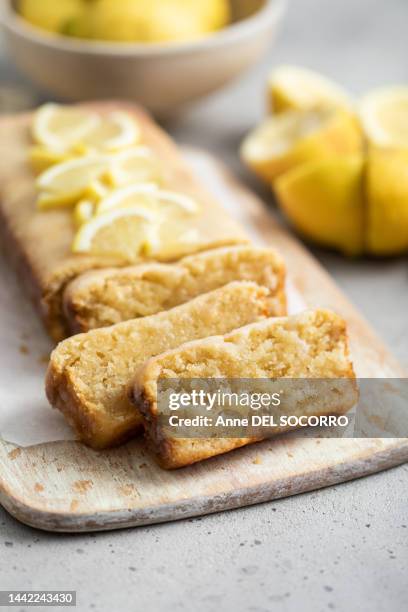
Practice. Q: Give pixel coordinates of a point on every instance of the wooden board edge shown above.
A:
(248, 496)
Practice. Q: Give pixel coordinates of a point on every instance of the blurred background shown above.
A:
(361, 45)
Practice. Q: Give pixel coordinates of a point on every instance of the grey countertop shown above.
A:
(343, 548)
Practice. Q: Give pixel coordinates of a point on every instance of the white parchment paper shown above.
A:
(25, 415)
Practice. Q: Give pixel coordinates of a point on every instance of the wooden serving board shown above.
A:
(64, 486)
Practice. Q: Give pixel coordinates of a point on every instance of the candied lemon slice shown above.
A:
(150, 195)
(98, 189)
(135, 165)
(324, 200)
(96, 177)
(42, 158)
(294, 137)
(66, 183)
(113, 132)
(83, 212)
(384, 115)
(61, 127)
(294, 88)
(48, 201)
(128, 233)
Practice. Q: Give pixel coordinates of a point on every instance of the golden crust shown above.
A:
(106, 297)
(311, 345)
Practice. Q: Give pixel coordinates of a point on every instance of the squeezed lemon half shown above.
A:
(384, 115)
(324, 200)
(387, 201)
(286, 140)
(294, 88)
(339, 175)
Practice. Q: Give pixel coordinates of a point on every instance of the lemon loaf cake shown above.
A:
(40, 242)
(105, 297)
(89, 374)
(311, 345)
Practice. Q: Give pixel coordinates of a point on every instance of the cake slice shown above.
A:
(89, 374)
(105, 297)
(38, 243)
(311, 345)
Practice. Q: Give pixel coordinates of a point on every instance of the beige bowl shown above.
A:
(162, 77)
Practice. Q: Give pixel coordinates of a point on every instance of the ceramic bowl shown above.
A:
(161, 77)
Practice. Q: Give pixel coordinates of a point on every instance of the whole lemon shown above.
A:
(287, 140)
(184, 20)
(113, 20)
(213, 14)
(52, 15)
(149, 21)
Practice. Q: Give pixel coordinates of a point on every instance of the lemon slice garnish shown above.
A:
(293, 88)
(384, 115)
(66, 183)
(128, 233)
(286, 140)
(42, 158)
(61, 127)
(134, 165)
(98, 189)
(128, 196)
(179, 200)
(150, 195)
(95, 176)
(113, 132)
(83, 212)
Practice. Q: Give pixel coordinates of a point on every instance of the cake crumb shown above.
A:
(82, 486)
(257, 460)
(24, 350)
(14, 453)
(38, 488)
(129, 490)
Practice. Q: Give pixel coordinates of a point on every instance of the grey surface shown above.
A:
(343, 548)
